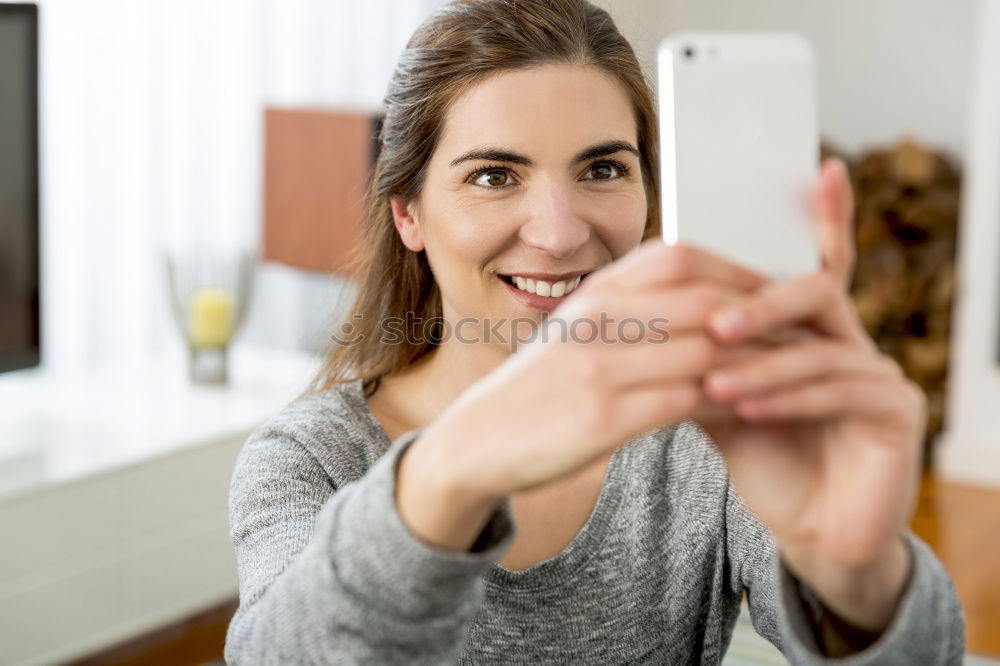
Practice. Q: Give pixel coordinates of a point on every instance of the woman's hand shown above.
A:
(564, 400)
(825, 449)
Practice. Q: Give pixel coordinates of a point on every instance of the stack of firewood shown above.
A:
(907, 200)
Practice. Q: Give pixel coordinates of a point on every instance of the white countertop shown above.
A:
(58, 429)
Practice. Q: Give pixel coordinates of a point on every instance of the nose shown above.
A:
(555, 226)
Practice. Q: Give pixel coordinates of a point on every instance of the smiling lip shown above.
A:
(534, 301)
(547, 277)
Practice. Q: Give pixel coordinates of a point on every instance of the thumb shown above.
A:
(833, 211)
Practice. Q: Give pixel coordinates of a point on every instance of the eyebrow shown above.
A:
(502, 155)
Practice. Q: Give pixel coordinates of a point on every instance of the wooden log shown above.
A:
(906, 216)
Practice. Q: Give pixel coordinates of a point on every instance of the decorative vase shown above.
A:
(210, 292)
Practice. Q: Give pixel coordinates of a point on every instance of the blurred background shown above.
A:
(180, 188)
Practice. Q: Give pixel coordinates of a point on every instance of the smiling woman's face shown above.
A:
(536, 176)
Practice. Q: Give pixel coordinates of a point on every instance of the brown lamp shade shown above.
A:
(316, 170)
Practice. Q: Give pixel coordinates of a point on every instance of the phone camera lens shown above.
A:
(689, 52)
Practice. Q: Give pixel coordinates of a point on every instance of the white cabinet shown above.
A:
(113, 498)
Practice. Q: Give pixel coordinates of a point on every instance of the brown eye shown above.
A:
(603, 171)
(606, 171)
(493, 178)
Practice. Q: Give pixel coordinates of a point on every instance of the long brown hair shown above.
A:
(461, 44)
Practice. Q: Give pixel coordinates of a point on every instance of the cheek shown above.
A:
(477, 230)
(464, 239)
(619, 220)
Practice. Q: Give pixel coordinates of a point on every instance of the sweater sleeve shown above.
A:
(928, 627)
(333, 576)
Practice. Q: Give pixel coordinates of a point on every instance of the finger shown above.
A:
(712, 412)
(793, 364)
(682, 358)
(646, 407)
(683, 309)
(678, 309)
(620, 364)
(686, 307)
(815, 299)
(655, 263)
(752, 347)
(833, 209)
(838, 396)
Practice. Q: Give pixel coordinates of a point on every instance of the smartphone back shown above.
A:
(740, 147)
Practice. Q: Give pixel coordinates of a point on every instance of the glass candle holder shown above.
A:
(209, 296)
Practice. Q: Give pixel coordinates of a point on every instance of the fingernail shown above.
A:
(729, 322)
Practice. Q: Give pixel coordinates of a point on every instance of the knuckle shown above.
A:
(708, 294)
(706, 299)
(828, 287)
(705, 353)
(679, 261)
(689, 398)
(830, 355)
(843, 392)
(892, 368)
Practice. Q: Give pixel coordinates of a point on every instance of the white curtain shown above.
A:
(151, 137)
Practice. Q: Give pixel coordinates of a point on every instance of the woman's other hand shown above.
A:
(825, 449)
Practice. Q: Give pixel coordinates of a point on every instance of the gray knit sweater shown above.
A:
(329, 574)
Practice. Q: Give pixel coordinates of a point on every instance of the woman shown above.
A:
(472, 480)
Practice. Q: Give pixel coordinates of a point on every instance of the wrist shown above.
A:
(866, 596)
(435, 504)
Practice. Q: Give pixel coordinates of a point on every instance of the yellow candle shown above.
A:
(210, 320)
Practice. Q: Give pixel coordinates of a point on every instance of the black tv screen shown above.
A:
(19, 261)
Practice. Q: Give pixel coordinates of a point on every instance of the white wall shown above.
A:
(885, 68)
(970, 446)
(151, 138)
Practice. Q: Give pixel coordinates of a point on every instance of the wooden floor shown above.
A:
(960, 523)
(197, 640)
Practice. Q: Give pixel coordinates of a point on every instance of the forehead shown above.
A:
(548, 110)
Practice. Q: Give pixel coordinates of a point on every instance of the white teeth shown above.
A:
(543, 288)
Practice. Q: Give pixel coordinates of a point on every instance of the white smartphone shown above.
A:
(739, 147)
